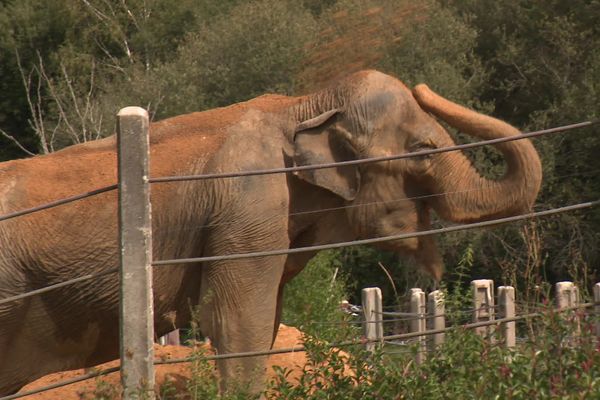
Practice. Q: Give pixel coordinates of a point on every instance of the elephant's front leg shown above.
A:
(237, 312)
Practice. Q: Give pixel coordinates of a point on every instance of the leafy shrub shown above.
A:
(312, 299)
(550, 363)
(254, 49)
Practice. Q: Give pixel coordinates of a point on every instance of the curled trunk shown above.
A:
(469, 196)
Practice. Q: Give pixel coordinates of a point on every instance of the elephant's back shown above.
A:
(218, 120)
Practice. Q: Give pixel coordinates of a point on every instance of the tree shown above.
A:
(543, 58)
(254, 49)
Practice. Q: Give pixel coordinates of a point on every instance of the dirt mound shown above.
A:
(176, 374)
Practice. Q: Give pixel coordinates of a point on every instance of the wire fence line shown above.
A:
(279, 212)
(342, 323)
(474, 225)
(302, 348)
(314, 248)
(166, 179)
(57, 203)
(373, 159)
(323, 210)
(196, 228)
(64, 383)
(57, 286)
(408, 316)
(363, 341)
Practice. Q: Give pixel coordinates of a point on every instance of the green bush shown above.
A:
(312, 299)
(254, 49)
(549, 362)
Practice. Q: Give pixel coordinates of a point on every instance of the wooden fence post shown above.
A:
(506, 303)
(597, 307)
(436, 308)
(373, 315)
(483, 305)
(417, 321)
(567, 295)
(135, 237)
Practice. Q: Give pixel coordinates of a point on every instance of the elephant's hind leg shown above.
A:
(34, 333)
(13, 375)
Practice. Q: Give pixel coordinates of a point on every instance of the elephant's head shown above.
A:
(371, 114)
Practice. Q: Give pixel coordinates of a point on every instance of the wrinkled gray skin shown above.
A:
(367, 115)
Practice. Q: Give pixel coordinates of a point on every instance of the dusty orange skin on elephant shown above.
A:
(239, 302)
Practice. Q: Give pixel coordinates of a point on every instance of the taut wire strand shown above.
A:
(422, 153)
(165, 179)
(379, 239)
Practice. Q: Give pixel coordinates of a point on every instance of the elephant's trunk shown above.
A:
(466, 195)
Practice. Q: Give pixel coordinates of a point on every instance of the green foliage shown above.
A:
(102, 391)
(533, 48)
(204, 382)
(458, 295)
(256, 48)
(66, 62)
(436, 47)
(369, 267)
(542, 58)
(549, 364)
(28, 27)
(312, 300)
(326, 375)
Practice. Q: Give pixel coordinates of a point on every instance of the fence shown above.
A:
(427, 321)
(135, 242)
(427, 318)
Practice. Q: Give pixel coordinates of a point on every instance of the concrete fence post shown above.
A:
(436, 309)
(567, 295)
(418, 321)
(373, 315)
(506, 303)
(135, 239)
(483, 305)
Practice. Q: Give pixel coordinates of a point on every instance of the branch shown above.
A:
(58, 101)
(36, 110)
(15, 141)
(389, 277)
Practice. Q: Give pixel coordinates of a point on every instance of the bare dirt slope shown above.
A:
(177, 374)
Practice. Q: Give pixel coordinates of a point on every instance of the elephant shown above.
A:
(367, 114)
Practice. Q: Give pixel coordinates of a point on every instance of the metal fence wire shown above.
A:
(355, 342)
(316, 248)
(165, 179)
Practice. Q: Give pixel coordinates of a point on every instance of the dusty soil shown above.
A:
(177, 374)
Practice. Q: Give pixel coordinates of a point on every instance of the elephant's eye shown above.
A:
(421, 146)
(421, 164)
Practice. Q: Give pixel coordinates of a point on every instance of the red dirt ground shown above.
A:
(176, 373)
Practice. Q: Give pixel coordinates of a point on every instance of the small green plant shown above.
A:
(458, 296)
(203, 383)
(168, 391)
(103, 391)
(312, 300)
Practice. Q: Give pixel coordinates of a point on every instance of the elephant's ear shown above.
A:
(322, 140)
